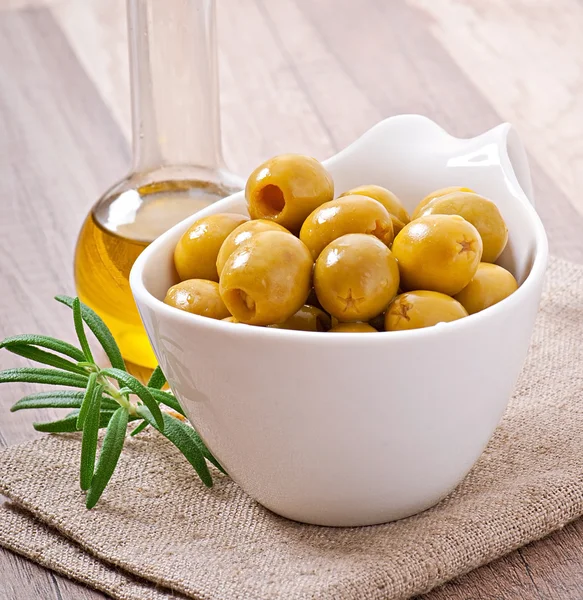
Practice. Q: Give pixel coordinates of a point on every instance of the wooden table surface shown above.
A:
(296, 75)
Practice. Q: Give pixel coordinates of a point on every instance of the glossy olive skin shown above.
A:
(241, 234)
(353, 328)
(349, 214)
(308, 318)
(199, 297)
(399, 215)
(195, 255)
(436, 194)
(482, 213)
(267, 279)
(414, 310)
(287, 188)
(355, 278)
(440, 253)
(490, 284)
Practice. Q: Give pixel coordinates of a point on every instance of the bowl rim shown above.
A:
(529, 286)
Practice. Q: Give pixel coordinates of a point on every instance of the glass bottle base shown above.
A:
(116, 232)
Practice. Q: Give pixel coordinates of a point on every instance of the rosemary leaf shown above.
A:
(181, 435)
(69, 423)
(48, 376)
(80, 330)
(157, 379)
(109, 456)
(58, 399)
(100, 330)
(44, 341)
(140, 390)
(206, 452)
(139, 428)
(47, 358)
(168, 399)
(90, 426)
(87, 400)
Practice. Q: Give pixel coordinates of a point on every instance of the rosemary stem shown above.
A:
(114, 392)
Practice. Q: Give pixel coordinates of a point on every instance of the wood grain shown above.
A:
(526, 58)
(23, 580)
(59, 149)
(296, 75)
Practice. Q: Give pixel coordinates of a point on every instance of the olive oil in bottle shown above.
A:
(177, 168)
(107, 250)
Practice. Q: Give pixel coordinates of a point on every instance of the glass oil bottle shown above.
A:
(177, 159)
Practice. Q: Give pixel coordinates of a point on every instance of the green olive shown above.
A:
(195, 255)
(438, 252)
(399, 215)
(414, 310)
(482, 213)
(308, 318)
(287, 188)
(241, 234)
(353, 328)
(349, 214)
(199, 297)
(489, 285)
(355, 278)
(267, 279)
(436, 194)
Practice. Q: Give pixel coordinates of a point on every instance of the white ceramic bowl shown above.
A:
(356, 429)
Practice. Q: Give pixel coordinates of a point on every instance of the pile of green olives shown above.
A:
(357, 263)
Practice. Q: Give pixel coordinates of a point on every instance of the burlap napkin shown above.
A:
(157, 529)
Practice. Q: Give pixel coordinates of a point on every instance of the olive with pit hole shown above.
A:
(287, 188)
(267, 279)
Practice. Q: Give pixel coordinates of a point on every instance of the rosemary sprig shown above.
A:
(110, 399)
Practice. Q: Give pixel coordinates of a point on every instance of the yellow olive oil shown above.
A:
(113, 236)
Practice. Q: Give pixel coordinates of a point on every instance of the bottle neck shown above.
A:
(174, 84)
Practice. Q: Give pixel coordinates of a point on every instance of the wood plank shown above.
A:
(554, 564)
(60, 149)
(526, 58)
(24, 580)
(96, 30)
(552, 567)
(22, 4)
(57, 156)
(265, 109)
(343, 106)
(276, 110)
